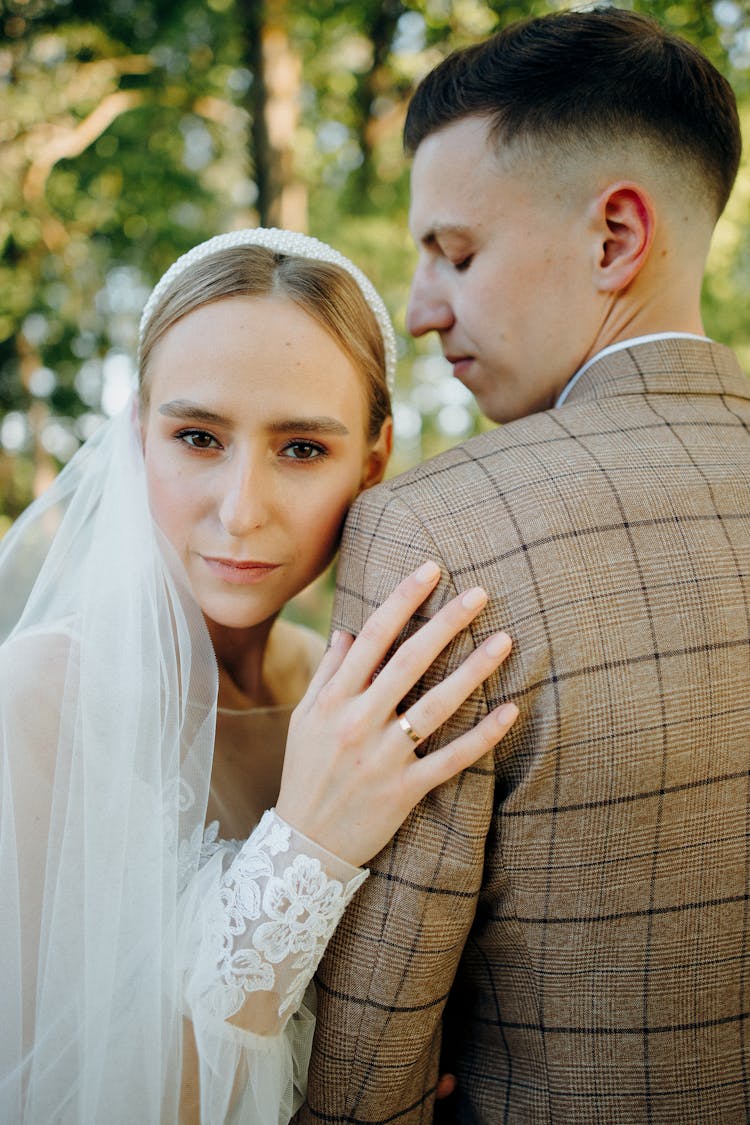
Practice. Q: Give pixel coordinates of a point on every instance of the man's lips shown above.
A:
(240, 572)
(460, 364)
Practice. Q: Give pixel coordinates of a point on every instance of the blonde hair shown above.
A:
(325, 291)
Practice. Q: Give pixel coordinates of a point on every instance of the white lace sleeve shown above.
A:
(260, 916)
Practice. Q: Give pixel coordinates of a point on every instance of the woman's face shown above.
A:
(255, 441)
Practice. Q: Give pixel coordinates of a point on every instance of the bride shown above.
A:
(170, 874)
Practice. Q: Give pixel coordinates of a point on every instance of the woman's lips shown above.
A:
(239, 572)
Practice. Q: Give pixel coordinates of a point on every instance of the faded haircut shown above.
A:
(588, 79)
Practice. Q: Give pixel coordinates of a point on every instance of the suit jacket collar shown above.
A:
(668, 366)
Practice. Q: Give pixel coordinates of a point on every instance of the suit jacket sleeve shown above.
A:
(386, 975)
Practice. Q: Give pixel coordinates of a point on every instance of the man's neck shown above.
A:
(634, 341)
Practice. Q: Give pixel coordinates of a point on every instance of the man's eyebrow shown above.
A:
(313, 424)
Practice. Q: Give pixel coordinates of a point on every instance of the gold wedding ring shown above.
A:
(407, 728)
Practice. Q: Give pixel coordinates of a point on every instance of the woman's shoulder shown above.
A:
(35, 674)
(34, 662)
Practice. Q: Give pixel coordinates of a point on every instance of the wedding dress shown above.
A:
(131, 930)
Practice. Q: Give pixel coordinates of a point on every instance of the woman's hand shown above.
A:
(445, 1087)
(351, 775)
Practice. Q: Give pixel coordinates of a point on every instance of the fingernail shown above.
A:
(473, 599)
(497, 645)
(427, 572)
(507, 714)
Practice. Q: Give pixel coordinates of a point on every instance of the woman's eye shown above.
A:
(198, 439)
(303, 451)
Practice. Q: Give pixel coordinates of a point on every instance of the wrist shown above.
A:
(336, 866)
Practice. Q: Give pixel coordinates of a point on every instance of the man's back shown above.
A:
(598, 875)
(589, 887)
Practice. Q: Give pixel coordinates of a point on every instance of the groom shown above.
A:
(581, 901)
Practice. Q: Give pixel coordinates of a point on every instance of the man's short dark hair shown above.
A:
(600, 76)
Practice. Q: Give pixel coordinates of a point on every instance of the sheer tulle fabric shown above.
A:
(107, 714)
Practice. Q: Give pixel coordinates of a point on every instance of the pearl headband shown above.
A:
(294, 245)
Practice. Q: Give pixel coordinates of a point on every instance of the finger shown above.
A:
(440, 702)
(332, 660)
(442, 764)
(412, 658)
(384, 625)
(446, 1086)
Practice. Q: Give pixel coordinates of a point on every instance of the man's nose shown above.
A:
(428, 309)
(245, 499)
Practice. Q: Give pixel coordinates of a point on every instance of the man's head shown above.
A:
(568, 173)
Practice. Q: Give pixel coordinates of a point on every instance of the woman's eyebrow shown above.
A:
(314, 424)
(184, 408)
(317, 425)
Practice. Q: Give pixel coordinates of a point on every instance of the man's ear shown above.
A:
(625, 219)
(377, 457)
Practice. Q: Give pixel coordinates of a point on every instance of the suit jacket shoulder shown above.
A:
(598, 870)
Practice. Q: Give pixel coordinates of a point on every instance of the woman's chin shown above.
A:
(237, 617)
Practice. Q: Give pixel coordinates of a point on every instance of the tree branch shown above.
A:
(72, 142)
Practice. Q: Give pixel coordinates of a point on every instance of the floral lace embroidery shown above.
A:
(297, 906)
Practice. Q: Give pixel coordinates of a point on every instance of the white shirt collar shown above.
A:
(618, 347)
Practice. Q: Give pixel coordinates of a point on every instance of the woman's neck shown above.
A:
(240, 654)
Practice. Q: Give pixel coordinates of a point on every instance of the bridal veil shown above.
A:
(108, 688)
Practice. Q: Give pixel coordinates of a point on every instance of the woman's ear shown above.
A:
(378, 455)
(625, 217)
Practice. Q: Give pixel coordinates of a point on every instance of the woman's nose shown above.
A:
(243, 505)
(428, 309)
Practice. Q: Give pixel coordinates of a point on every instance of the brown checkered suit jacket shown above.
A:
(583, 898)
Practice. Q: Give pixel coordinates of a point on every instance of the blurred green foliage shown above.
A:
(128, 133)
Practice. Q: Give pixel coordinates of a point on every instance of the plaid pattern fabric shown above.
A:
(582, 900)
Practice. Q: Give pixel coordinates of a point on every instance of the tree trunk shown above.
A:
(380, 28)
(273, 104)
